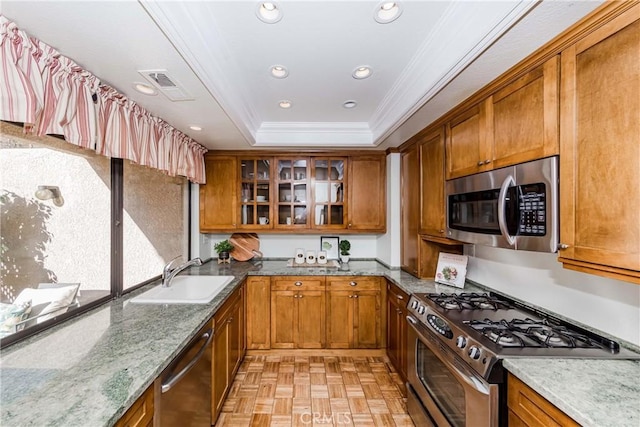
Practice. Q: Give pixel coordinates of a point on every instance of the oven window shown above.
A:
(443, 387)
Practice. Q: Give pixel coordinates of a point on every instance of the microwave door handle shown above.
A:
(502, 205)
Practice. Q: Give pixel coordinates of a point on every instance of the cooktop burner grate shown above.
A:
(469, 301)
(528, 332)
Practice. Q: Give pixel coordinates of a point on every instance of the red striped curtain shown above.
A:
(51, 94)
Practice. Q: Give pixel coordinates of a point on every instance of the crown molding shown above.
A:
(327, 134)
(205, 47)
(435, 64)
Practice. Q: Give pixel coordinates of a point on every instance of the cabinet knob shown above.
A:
(298, 283)
(399, 297)
(486, 162)
(441, 231)
(480, 162)
(353, 283)
(350, 296)
(349, 225)
(300, 296)
(562, 246)
(355, 296)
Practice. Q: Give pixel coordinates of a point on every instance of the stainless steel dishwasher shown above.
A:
(183, 390)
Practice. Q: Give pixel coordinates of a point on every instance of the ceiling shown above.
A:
(432, 57)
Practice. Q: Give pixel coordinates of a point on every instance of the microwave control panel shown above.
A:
(533, 210)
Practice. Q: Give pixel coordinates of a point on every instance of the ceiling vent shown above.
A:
(166, 84)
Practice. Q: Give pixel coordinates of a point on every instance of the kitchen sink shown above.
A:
(185, 290)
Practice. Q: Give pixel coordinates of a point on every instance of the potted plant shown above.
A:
(223, 248)
(344, 246)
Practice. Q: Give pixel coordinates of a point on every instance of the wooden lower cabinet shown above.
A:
(298, 307)
(397, 328)
(354, 312)
(258, 313)
(141, 412)
(528, 409)
(228, 348)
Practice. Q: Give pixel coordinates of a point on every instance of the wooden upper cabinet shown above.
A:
(600, 151)
(516, 124)
(524, 117)
(432, 218)
(467, 142)
(218, 196)
(328, 181)
(294, 193)
(255, 193)
(367, 208)
(410, 210)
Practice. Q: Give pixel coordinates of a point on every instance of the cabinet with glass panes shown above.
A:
(255, 193)
(328, 192)
(292, 177)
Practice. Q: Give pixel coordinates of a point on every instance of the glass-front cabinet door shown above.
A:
(292, 177)
(329, 178)
(255, 193)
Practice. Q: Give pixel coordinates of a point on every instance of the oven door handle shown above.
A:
(457, 371)
(502, 205)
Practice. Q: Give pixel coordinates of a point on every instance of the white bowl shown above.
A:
(261, 198)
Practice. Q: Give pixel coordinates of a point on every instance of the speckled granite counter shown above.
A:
(600, 393)
(89, 370)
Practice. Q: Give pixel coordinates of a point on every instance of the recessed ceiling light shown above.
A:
(361, 72)
(284, 104)
(387, 11)
(279, 71)
(349, 104)
(144, 88)
(196, 128)
(269, 12)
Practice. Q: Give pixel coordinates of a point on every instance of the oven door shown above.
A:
(452, 394)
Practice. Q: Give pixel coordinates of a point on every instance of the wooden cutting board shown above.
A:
(244, 245)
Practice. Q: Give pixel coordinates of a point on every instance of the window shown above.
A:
(56, 229)
(154, 218)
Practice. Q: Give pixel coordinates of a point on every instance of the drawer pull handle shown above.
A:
(298, 283)
(353, 283)
(480, 162)
(399, 297)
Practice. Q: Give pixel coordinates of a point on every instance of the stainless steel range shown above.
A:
(456, 346)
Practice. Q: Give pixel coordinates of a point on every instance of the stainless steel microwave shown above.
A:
(513, 207)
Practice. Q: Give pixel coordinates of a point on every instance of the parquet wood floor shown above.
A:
(310, 391)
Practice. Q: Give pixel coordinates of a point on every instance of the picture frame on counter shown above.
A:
(329, 244)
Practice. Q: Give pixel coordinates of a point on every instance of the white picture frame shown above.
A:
(329, 244)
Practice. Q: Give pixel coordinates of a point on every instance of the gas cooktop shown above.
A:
(483, 328)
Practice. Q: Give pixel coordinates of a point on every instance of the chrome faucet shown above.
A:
(168, 274)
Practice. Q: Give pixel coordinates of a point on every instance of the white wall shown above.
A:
(388, 245)
(608, 305)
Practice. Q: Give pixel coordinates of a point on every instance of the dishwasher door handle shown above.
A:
(173, 379)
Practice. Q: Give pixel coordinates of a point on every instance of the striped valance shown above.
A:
(51, 94)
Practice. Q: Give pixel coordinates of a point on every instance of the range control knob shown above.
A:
(414, 304)
(461, 342)
(421, 309)
(474, 353)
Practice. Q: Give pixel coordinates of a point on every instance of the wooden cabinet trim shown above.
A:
(532, 409)
(141, 413)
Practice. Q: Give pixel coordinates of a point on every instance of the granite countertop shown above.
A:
(594, 392)
(91, 369)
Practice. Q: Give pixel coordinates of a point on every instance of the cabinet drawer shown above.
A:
(397, 294)
(297, 283)
(353, 283)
